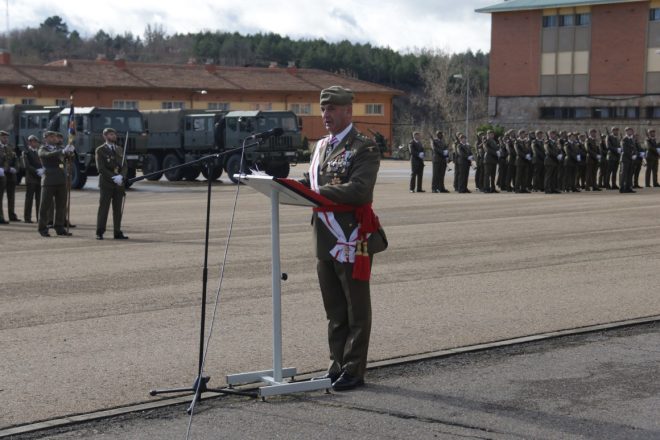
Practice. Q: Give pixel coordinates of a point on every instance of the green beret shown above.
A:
(109, 130)
(337, 95)
(3, 133)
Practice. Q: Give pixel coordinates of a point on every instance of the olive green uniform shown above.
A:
(652, 155)
(346, 176)
(53, 187)
(10, 162)
(31, 163)
(109, 163)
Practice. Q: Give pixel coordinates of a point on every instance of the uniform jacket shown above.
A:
(593, 150)
(416, 148)
(52, 158)
(439, 148)
(108, 163)
(651, 146)
(8, 160)
(522, 150)
(511, 147)
(612, 147)
(572, 151)
(347, 176)
(491, 151)
(551, 150)
(504, 153)
(627, 149)
(31, 163)
(463, 152)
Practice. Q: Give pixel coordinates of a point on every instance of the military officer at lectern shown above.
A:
(344, 168)
(112, 174)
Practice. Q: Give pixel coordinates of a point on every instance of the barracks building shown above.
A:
(121, 84)
(575, 64)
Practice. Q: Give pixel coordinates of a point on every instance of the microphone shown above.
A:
(266, 134)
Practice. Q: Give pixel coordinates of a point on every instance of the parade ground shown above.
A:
(89, 325)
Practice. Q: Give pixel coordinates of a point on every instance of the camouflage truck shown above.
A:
(90, 122)
(178, 136)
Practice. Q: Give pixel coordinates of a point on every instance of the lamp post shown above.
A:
(192, 95)
(467, 100)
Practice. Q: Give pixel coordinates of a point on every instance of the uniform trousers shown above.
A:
(438, 180)
(626, 176)
(11, 196)
(550, 178)
(3, 186)
(489, 176)
(651, 171)
(602, 174)
(416, 173)
(612, 168)
(52, 194)
(108, 196)
(592, 167)
(347, 304)
(501, 174)
(32, 195)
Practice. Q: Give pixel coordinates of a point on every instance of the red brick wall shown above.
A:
(618, 48)
(515, 58)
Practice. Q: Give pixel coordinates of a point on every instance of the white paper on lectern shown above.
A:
(265, 185)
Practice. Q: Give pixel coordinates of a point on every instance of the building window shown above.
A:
(28, 101)
(172, 104)
(550, 113)
(582, 113)
(62, 102)
(224, 106)
(567, 20)
(582, 19)
(3, 101)
(374, 109)
(301, 109)
(627, 113)
(262, 106)
(654, 14)
(125, 104)
(653, 112)
(600, 113)
(550, 21)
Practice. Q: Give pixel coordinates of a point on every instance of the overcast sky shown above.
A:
(403, 25)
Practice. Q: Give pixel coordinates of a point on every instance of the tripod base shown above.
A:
(276, 387)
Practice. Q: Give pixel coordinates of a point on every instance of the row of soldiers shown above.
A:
(47, 170)
(549, 162)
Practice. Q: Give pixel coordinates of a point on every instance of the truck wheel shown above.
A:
(192, 172)
(78, 178)
(233, 166)
(216, 172)
(172, 160)
(151, 164)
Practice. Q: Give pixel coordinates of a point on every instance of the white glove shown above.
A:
(69, 149)
(560, 156)
(446, 152)
(118, 179)
(499, 153)
(470, 158)
(40, 171)
(2, 172)
(618, 150)
(421, 155)
(634, 157)
(642, 154)
(579, 158)
(12, 170)
(528, 156)
(658, 150)
(599, 157)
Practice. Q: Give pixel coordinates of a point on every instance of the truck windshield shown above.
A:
(286, 122)
(120, 122)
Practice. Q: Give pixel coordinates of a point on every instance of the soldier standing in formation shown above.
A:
(34, 170)
(593, 160)
(627, 156)
(463, 162)
(502, 156)
(553, 157)
(538, 162)
(491, 157)
(523, 159)
(439, 160)
(613, 158)
(637, 163)
(112, 175)
(416, 162)
(652, 155)
(478, 153)
(9, 163)
(53, 184)
(511, 164)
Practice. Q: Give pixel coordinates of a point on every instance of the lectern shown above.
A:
(287, 192)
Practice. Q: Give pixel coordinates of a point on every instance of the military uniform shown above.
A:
(652, 155)
(573, 156)
(491, 156)
(581, 176)
(53, 188)
(553, 157)
(523, 159)
(4, 169)
(613, 159)
(416, 165)
(109, 164)
(439, 160)
(33, 171)
(463, 162)
(347, 175)
(478, 154)
(602, 167)
(637, 163)
(538, 165)
(627, 156)
(9, 159)
(592, 145)
(511, 164)
(502, 164)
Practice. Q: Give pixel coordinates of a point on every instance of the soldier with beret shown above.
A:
(652, 154)
(416, 162)
(593, 159)
(344, 168)
(627, 157)
(613, 157)
(553, 157)
(53, 184)
(439, 160)
(538, 162)
(33, 172)
(523, 162)
(491, 156)
(502, 157)
(9, 162)
(112, 175)
(637, 163)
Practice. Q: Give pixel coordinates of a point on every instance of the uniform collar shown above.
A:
(340, 136)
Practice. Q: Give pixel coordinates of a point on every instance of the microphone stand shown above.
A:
(199, 386)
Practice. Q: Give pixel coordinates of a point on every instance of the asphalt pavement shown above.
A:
(601, 385)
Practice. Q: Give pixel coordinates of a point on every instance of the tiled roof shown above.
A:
(121, 74)
(525, 5)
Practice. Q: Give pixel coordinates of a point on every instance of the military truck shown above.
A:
(90, 122)
(177, 136)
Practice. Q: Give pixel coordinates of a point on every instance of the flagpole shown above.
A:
(71, 137)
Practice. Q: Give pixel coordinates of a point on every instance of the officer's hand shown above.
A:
(470, 158)
(598, 156)
(118, 179)
(619, 150)
(421, 155)
(12, 170)
(446, 153)
(560, 156)
(642, 154)
(2, 172)
(40, 171)
(69, 149)
(528, 156)
(658, 150)
(579, 158)
(499, 154)
(634, 157)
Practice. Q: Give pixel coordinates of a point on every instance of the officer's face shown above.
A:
(336, 117)
(4, 138)
(34, 143)
(111, 137)
(51, 139)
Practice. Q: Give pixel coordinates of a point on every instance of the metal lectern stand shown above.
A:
(278, 193)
